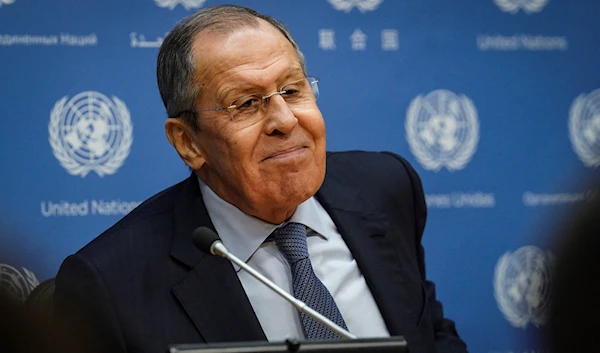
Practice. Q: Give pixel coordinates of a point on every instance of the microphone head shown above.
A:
(203, 238)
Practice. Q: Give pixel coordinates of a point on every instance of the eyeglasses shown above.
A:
(249, 108)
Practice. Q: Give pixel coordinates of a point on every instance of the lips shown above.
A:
(289, 152)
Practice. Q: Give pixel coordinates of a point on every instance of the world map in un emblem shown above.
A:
(522, 286)
(584, 128)
(187, 4)
(362, 5)
(6, 2)
(18, 283)
(442, 130)
(528, 6)
(90, 132)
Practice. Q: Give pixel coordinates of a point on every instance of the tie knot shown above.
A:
(291, 241)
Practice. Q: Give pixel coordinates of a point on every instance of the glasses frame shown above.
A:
(312, 81)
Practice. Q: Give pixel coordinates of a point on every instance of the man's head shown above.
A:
(265, 156)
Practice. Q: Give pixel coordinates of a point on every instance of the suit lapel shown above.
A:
(368, 234)
(211, 293)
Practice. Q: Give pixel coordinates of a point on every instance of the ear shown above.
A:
(181, 136)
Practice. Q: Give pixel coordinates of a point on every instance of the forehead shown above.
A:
(258, 54)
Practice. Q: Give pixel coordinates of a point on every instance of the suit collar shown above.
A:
(211, 293)
(189, 214)
(368, 235)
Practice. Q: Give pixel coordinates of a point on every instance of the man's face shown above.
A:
(268, 167)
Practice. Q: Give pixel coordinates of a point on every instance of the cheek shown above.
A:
(240, 148)
(312, 121)
(230, 141)
(220, 147)
(314, 124)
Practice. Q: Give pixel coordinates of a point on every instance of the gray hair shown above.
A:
(175, 67)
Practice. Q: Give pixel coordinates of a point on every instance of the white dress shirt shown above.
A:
(244, 236)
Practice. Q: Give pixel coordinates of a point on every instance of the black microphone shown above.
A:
(204, 238)
(209, 242)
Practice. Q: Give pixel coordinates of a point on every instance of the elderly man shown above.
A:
(243, 116)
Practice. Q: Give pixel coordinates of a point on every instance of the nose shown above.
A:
(279, 117)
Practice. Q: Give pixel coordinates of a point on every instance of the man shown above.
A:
(243, 116)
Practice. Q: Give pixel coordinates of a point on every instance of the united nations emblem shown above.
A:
(513, 6)
(442, 130)
(187, 4)
(584, 128)
(522, 286)
(90, 132)
(20, 284)
(362, 5)
(6, 2)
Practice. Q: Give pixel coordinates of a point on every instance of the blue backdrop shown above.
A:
(495, 102)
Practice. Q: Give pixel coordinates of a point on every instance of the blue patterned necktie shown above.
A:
(291, 242)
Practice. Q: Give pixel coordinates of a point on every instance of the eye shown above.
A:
(295, 90)
(290, 92)
(247, 103)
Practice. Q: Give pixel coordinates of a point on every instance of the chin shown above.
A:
(302, 190)
(287, 191)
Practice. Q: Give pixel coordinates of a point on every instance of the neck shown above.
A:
(265, 212)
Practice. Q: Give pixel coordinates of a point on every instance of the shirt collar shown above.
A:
(243, 234)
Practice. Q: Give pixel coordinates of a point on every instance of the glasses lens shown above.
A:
(296, 94)
(246, 107)
(300, 92)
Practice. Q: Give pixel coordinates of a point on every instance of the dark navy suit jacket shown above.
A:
(143, 285)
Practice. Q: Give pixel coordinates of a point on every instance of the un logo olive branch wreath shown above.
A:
(72, 165)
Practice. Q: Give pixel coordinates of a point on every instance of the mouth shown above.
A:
(287, 153)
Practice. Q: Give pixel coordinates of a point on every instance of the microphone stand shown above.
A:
(217, 248)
